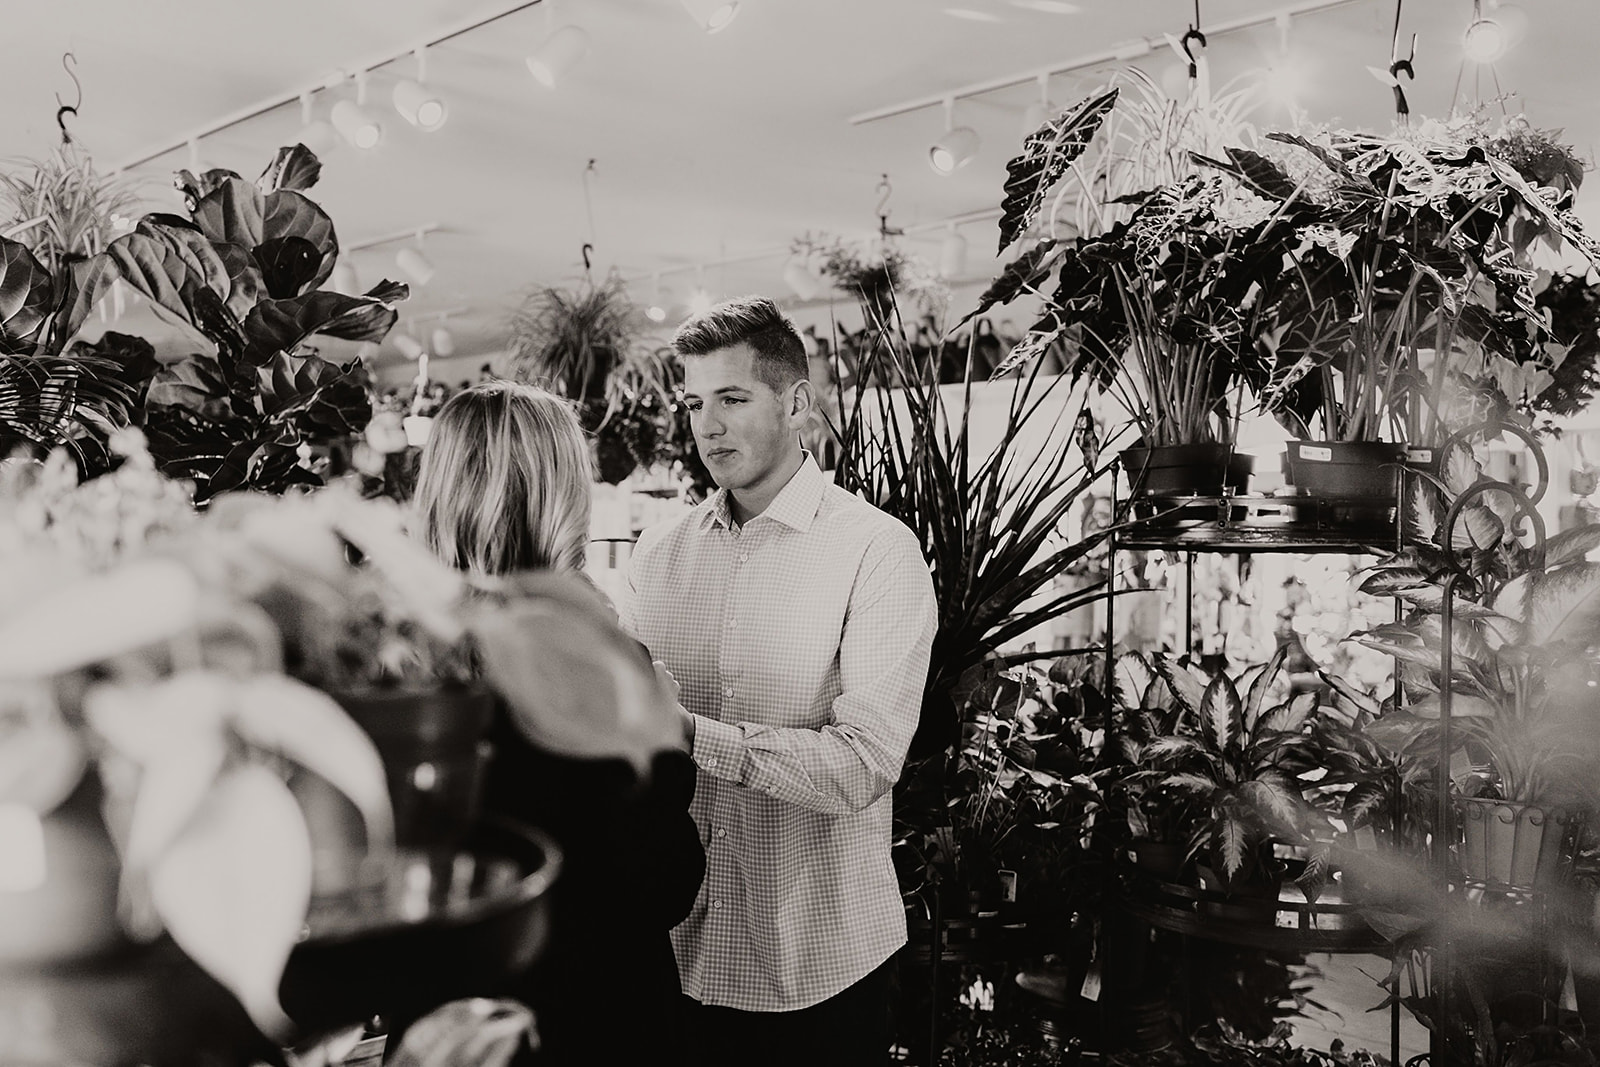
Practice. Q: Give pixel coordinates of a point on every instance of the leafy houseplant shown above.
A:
(1420, 240)
(987, 520)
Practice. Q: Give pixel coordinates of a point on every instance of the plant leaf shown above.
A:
(1290, 718)
(232, 213)
(25, 292)
(1572, 544)
(1045, 157)
(298, 245)
(1221, 714)
(1185, 687)
(295, 168)
(1023, 273)
(1133, 679)
(1258, 688)
(279, 326)
(1564, 605)
(233, 889)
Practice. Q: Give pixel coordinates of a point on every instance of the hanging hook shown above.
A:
(1398, 66)
(588, 250)
(68, 60)
(885, 190)
(1194, 34)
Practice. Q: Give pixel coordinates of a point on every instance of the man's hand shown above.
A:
(670, 684)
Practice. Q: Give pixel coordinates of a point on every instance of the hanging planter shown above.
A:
(1515, 846)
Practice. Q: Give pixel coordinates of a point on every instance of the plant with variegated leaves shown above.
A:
(1237, 759)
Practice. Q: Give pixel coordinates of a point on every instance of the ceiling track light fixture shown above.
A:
(952, 254)
(354, 123)
(1119, 53)
(416, 103)
(413, 264)
(713, 16)
(563, 46)
(958, 146)
(1038, 112)
(444, 342)
(316, 134)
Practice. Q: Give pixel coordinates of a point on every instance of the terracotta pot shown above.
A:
(1361, 471)
(1517, 846)
(1186, 470)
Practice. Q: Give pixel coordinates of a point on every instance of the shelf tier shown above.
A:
(1257, 524)
(1297, 925)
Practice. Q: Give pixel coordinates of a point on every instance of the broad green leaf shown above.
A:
(298, 245)
(1230, 835)
(1257, 692)
(1362, 802)
(1221, 714)
(1278, 803)
(1477, 527)
(231, 214)
(576, 684)
(194, 384)
(1569, 545)
(196, 189)
(1133, 679)
(1564, 605)
(84, 284)
(1184, 686)
(25, 298)
(1198, 784)
(1362, 703)
(173, 268)
(285, 716)
(96, 617)
(1290, 718)
(1432, 598)
(1034, 344)
(1167, 748)
(295, 167)
(1461, 471)
(245, 284)
(279, 326)
(1462, 706)
(1046, 155)
(234, 887)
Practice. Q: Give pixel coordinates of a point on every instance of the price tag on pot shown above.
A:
(1008, 885)
(1091, 982)
(1316, 453)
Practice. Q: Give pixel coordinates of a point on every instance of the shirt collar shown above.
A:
(795, 505)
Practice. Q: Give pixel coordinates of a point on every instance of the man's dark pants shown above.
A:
(849, 1029)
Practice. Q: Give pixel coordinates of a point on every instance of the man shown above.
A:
(798, 620)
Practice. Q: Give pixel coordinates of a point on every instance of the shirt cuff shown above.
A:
(718, 747)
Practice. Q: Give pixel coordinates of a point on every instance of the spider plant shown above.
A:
(61, 207)
(571, 340)
(988, 519)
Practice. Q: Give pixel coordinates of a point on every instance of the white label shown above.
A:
(1091, 983)
(1008, 885)
(1316, 452)
(1419, 455)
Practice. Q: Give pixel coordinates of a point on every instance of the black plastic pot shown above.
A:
(1361, 471)
(1252, 900)
(1186, 470)
(434, 755)
(1160, 858)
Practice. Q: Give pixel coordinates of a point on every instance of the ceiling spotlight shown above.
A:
(712, 15)
(656, 313)
(353, 122)
(316, 134)
(956, 148)
(1485, 40)
(414, 264)
(952, 255)
(409, 346)
(344, 279)
(444, 342)
(417, 104)
(557, 55)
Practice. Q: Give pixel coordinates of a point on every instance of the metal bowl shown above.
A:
(441, 926)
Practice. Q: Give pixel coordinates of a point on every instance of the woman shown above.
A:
(504, 487)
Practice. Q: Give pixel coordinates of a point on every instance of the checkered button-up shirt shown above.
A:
(801, 644)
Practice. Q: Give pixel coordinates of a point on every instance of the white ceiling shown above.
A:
(706, 147)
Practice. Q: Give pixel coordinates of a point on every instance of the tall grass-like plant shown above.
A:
(61, 207)
(571, 340)
(989, 520)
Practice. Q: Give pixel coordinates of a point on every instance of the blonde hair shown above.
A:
(505, 481)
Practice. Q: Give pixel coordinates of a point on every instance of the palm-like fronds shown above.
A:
(989, 520)
(47, 402)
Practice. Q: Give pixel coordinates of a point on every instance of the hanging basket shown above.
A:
(1506, 845)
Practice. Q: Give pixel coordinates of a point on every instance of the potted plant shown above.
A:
(1237, 761)
(1415, 247)
(571, 341)
(1522, 682)
(1160, 819)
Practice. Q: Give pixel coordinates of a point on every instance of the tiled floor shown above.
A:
(1348, 989)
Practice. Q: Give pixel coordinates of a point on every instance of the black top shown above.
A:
(606, 989)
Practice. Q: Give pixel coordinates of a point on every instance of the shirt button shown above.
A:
(744, 557)
(721, 832)
(711, 764)
(727, 691)
(716, 904)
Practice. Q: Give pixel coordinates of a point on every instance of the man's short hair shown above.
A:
(780, 355)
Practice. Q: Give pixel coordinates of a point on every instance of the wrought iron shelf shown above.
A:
(1257, 524)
